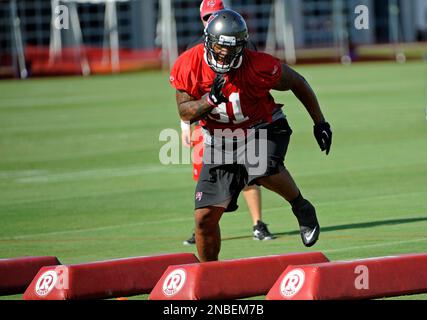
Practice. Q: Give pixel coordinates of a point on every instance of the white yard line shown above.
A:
(101, 174)
(128, 225)
(284, 207)
(43, 176)
(137, 224)
(17, 174)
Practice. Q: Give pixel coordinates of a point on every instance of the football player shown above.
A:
(252, 194)
(226, 86)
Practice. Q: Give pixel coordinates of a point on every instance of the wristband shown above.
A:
(185, 125)
(211, 103)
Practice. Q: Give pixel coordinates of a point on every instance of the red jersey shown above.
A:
(247, 88)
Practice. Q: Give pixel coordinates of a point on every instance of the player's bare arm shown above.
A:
(292, 80)
(193, 110)
(190, 109)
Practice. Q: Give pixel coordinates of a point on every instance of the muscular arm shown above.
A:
(190, 109)
(292, 80)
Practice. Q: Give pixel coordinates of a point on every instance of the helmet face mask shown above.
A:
(226, 36)
(222, 56)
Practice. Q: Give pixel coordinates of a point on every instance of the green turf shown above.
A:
(80, 176)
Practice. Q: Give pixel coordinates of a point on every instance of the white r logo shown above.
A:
(292, 283)
(46, 282)
(174, 282)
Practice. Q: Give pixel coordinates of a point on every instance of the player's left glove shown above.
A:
(216, 97)
(323, 134)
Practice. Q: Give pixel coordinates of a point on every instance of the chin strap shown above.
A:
(239, 63)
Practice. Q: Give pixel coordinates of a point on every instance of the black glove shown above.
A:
(216, 97)
(323, 134)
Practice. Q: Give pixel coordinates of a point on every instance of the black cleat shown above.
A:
(309, 235)
(190, 241)
(261, 232)
(307, 220)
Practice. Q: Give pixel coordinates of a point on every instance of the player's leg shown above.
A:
(278, 179)
(281, 183)
(284, 185)
(207, 231)
(252, 195)
(216, 192)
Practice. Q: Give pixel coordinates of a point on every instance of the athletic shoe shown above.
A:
(309, 235)
(190, 241)
(309, 226)
(261, 232)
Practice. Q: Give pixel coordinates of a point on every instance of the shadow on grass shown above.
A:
(363, 225)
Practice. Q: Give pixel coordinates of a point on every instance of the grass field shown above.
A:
(80, 176)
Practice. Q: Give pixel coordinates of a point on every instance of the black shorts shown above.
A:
(219, 182)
